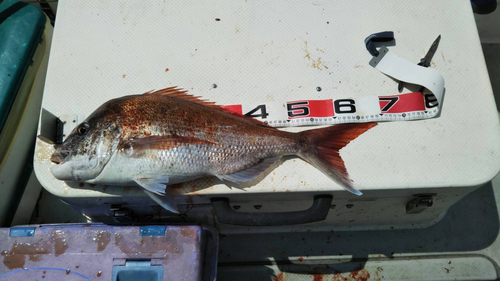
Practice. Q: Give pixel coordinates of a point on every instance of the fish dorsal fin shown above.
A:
(179, 93)
(136, 147)
(252, 172)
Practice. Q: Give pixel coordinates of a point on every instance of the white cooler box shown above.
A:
(235, 52)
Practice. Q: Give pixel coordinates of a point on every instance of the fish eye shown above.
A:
(83, 128)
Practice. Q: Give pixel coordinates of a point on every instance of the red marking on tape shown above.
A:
(315, 108)
(234, 108)
(405, 103)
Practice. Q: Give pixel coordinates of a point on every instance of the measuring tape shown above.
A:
(402, 107)
(424, 104)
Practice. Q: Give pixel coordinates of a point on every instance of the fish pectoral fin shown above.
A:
(156, 189)
(252, 172)
(136, 147)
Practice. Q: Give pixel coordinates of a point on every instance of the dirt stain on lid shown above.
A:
(60, 245)
(190, 232)
(314, 61)
(35, 257)
(102, 238)
(147, 244)
(16, 257)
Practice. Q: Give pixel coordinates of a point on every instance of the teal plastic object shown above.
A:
(137, 270)
(21, 29)
(22, 232)
(153, 230)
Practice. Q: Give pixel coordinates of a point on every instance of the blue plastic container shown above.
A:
(102, 252)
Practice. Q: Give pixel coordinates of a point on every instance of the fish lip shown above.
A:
(62, 172)
(57, 158)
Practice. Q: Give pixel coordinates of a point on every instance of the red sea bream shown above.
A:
(165, 137)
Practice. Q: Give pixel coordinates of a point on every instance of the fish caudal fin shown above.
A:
(324, 149)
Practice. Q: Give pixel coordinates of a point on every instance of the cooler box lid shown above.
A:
(281, 50)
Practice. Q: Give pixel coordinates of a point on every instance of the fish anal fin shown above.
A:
(252, 172)
(179, 93)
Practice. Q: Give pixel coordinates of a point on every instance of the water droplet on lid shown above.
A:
(68, 271)
(77, 266)
(99, 273)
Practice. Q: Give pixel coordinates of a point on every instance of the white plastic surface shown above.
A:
(261, 51)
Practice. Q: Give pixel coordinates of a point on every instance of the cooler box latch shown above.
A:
(420, 203)
(137, 270)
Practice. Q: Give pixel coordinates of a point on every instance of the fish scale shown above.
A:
(166, 137)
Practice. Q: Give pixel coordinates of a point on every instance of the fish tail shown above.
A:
(322, 150)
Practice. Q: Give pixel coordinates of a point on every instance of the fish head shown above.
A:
(87, 150)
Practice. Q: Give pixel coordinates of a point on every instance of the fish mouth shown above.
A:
(57, 158)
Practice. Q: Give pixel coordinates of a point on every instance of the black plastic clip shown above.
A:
(384, 36)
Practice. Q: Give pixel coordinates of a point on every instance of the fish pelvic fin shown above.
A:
(167, 202)
(323, 152)
(252, 172)
(156, 189)
(156, 185)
